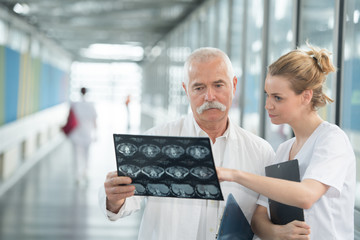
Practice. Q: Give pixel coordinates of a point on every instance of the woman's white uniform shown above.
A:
(327, 157)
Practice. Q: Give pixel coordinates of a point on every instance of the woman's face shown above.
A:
(282, 104)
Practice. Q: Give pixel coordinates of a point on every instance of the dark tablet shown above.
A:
(234, 225)
(281, 213)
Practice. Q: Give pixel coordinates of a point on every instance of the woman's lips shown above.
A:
(271, 115)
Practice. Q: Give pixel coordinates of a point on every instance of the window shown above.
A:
(317, 26)
(235, 53)
(350, 114)
(252, 71)
(281, 14)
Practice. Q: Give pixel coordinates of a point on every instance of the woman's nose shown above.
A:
(268, 104)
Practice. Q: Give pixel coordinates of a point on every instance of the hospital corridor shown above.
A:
(118, 67)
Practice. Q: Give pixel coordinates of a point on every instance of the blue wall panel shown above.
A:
(12, 67)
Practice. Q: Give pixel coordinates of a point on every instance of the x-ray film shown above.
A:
(162, 166)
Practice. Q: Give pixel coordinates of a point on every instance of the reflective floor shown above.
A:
(48, 204)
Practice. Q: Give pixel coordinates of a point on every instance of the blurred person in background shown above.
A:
(82, 136)
(127, 104)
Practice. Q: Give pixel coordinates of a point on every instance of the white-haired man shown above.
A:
(210, 85)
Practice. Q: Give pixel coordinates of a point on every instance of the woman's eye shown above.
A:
(277, 98)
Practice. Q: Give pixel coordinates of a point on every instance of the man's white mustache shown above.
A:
(209, 105)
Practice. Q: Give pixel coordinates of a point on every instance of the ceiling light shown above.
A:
(113, 52)
(21, 8)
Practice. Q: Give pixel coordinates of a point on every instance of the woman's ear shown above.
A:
(307, 96)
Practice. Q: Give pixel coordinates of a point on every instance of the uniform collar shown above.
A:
(201, 133)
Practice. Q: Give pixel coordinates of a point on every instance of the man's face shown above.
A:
(210, 91)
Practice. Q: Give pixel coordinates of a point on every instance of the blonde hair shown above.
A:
(306, 70)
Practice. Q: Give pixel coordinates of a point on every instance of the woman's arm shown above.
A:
(299, 194)
(266, 230)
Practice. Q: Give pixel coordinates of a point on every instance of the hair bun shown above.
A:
(322, 59)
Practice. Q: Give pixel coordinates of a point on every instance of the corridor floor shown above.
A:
(47, 204)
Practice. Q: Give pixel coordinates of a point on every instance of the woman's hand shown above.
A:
(295, 230)
(226, 174)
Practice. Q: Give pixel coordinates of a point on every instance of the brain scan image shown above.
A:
(130, 170)
(197, 152)
(173, 151)
(139, 189)
(158, 189)
(202, 172)
(182, 190)
(207, 191)
(153, 171)
(149, 150)
(127, 149)
(177, 172)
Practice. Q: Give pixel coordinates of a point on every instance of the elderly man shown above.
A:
(210, 85)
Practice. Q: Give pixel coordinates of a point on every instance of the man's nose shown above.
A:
(209, 95)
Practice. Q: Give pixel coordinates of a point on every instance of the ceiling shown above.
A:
(77, 24)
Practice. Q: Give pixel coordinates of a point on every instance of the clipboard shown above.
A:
(234, 225)
(281, 213)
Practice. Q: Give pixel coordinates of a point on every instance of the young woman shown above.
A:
(294, 89)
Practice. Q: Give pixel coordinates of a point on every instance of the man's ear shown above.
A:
(184, 87)
(234, 84)
(307, 95)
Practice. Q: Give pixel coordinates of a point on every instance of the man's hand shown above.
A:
(117, 190)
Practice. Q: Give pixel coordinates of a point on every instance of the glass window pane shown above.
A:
(223, 24)
(279, 44)
(211, 25)
(193, 33)
(203, 41)
(351, 86)
(254, 22)
(317, 26)
(235, 53)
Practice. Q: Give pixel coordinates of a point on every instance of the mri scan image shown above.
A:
(157, 189)
(198, 152)
(177, 172)
(168, 166)
(149, 150)
(202, 172)
(127, 149)
(207, 191)
(182, 190)
(173, 151)
(130, 170)
(153, 171)
(139, 189)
